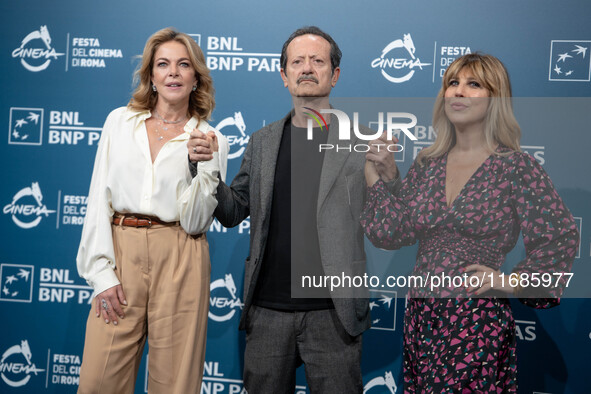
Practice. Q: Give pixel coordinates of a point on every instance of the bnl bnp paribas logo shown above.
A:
(382, 305)
(26, 126)
(26, 208)
(398, 62)
(16, 365)
(16, 282)
(35, 51)
(570, 60)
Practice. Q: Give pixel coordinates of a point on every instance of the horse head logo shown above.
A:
(36, 192)
(390, 382)
(45, 36)
(26, 351)
(239, 122)
(405, 43)
(42, 33)
(387, 380)
(408, 44)
(230, 285)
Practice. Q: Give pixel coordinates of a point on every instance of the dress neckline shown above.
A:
(470, 180)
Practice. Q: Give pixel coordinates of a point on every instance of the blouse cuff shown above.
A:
(103, 280)
(210, 166)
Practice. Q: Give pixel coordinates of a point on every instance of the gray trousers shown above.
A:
(278, 342)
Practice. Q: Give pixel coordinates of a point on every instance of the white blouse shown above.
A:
(125, 180)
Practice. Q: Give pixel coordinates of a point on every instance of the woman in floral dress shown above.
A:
(465, 200)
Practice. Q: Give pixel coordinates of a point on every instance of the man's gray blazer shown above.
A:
(340, 201)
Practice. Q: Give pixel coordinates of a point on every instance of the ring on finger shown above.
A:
(105, 305)
(194, 150)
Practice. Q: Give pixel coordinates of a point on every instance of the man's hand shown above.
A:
(371, 174)
(200, 146)
(213, 141)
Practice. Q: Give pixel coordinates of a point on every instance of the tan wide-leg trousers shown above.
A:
(165, 275)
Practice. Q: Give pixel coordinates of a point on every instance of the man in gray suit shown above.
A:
(304, 207)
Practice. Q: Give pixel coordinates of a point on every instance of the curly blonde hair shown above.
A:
(201, 101)
(501, 127)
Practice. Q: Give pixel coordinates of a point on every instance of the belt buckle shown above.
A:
(149, 225)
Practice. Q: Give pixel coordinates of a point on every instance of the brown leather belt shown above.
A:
(139, 221)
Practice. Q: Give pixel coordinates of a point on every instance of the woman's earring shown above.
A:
(153, 87)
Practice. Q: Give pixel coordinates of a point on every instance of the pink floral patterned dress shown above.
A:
(454, 342)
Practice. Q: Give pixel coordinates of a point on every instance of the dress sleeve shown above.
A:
(386, 218)
(549, 232)
(96, 257)
(197, 203)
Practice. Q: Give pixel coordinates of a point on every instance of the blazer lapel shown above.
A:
(333, 162)
(270, 150)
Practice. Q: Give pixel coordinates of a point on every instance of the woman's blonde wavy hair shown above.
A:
(201, 101)
(501, 127)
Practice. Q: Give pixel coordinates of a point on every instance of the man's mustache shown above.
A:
(307, 78)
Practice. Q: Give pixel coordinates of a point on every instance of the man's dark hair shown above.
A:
(335, 52)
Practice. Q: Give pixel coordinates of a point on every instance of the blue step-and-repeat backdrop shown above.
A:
(67, 64)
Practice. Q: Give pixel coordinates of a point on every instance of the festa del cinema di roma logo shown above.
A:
(237, 141)
(223, 308)
(394, 62)
(16, 362)
(35, 50)
(21, 211)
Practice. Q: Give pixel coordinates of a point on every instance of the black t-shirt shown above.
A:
(293, 233)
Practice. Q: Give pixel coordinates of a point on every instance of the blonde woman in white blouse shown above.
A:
(143, 246)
